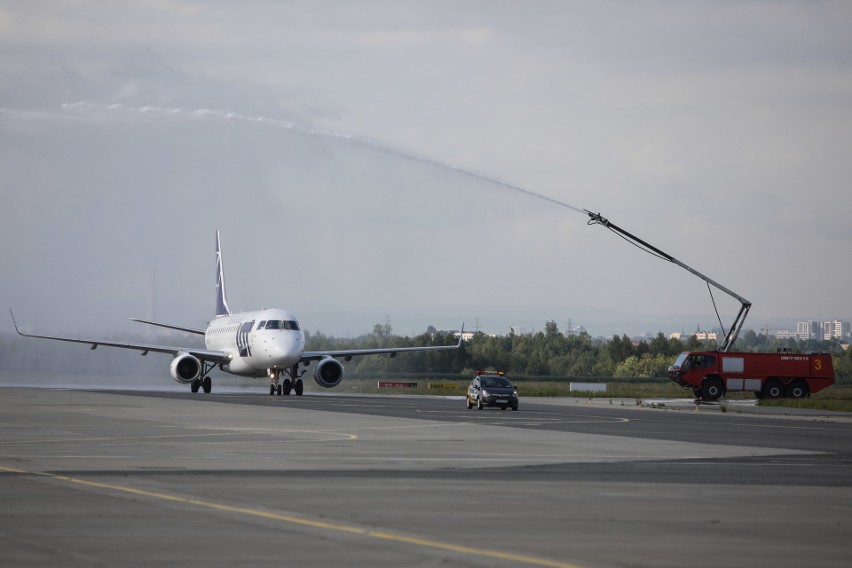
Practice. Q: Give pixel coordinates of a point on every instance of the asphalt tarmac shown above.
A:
(164, 478)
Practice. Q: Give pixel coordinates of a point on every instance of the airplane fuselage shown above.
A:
(258, 342)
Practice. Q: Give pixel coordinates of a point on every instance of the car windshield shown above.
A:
(679, 361)
(495, 382)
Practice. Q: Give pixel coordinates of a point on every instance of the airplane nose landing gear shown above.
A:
(275, 386)
(292, 381)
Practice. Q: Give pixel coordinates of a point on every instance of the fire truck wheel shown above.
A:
(711, 388)
(773, 389)
(798, 389)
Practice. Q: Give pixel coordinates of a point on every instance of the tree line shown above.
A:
(552, 353)
(547, 353)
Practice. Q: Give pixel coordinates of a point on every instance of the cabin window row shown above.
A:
(265, 324)
(231, 329)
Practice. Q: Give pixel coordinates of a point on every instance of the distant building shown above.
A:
(466, 336)
(574, 329)
(835, 329)
(806, 330)
(706, 335)
(676, 335)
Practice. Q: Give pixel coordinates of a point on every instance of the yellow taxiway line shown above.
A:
(304, 521)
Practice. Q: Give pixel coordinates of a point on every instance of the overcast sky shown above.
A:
(349, 152)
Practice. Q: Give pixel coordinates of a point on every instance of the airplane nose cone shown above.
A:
(281, 352)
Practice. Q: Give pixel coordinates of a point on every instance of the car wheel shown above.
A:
(515, 407)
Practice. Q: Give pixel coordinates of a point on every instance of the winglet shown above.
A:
(15, 323)
(221, 301)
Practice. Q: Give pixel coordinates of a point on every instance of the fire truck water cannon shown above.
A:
(745, 305)
(711, 374)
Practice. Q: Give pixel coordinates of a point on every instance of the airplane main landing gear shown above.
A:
(203, 381)
(204, 384)
(298, 386)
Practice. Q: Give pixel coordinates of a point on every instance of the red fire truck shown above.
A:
(710, 374)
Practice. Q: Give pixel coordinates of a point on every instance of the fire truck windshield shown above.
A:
(689, 361)
(679, 361)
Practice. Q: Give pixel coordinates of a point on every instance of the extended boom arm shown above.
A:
(731, 337)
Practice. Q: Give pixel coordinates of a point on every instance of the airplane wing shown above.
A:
(348, 354)
(179, 328)
(203, 354)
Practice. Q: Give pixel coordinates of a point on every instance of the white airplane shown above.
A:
(266, 343)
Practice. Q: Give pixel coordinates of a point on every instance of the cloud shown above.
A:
(401, 149)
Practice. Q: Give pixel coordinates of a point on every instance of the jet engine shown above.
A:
(328, 372)
(185, 368)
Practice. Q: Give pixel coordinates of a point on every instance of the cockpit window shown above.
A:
(280, 324)
(261, 324)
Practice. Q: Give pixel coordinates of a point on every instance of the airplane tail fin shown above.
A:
(221, 302)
